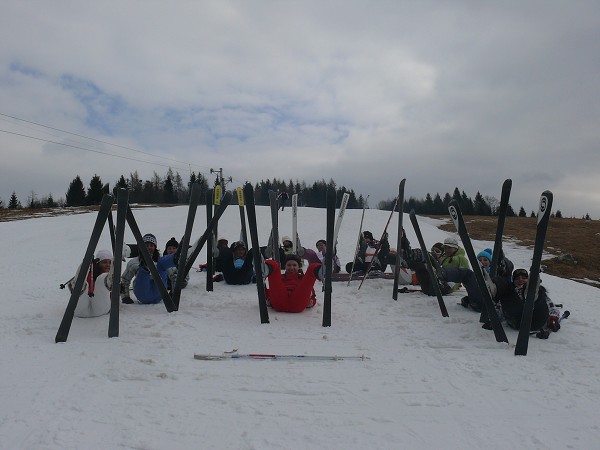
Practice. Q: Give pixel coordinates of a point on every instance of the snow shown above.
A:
(431, 382)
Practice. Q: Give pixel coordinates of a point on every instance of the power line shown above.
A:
(96, 140)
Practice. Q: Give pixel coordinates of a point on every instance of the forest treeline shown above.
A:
(172, 189)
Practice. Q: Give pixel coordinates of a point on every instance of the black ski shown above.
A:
(432, 275)
(506, 187)
(329, 256)
(210, 260)
(185, 243)
(399, 249)
(274, 202)
(258, 269)
(164, 294)
(488, 303)
(122, 202)
(197, 247)
(534, 272)
(65, 325)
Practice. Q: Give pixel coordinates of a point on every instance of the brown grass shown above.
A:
(577, 237)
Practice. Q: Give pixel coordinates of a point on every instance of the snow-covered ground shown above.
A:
(430, 383)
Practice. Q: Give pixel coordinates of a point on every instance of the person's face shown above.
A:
(223, 243)
(239, 252)
(171, 250)
(151, 247)
(449, 251)
(104, 265)
(288, 244)
(291, 266)
(436, 252)
(322, 247)
(485, 262)
(520, 280)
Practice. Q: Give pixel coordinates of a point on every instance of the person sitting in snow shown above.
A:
(170, 249)
(318, 256)
(144, 287)
(370, 249)
(293, 291)
(511, 296)
(94, 299)
(236, 263)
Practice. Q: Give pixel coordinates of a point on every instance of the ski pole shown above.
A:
(225, 356)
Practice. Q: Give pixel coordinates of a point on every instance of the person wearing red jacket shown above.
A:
(293, 291)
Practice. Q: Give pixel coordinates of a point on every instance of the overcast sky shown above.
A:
(443, 93)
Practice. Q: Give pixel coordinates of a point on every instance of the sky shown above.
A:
(445, 94)
(430, 382)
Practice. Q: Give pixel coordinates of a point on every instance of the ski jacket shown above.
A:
(144, 287)
(231, 274)
(313, 256)
(291, 292)
(512, 300)
(456, 261)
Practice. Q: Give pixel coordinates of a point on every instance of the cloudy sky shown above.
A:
(445, 94)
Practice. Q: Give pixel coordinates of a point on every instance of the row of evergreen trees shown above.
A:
(171, 189)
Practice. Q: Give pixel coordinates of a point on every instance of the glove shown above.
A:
(553, 323)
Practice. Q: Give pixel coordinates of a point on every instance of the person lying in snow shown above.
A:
(236, 263)
(318, 256)
(368, 247)
(94, 299)
(292, 291)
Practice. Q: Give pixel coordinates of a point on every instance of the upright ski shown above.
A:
(210, 241)
(329, 257)
(294, 223)
(65, 325)
(274, 202)
(399, 248)
(338, 221)
(113, 321)
(506, 187)
(427, 256)
(534, 272)
(258, 264)
(379, 245)
(241, 204)
(185, 242)
(488, 303)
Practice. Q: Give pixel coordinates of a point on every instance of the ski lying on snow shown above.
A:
(235, 355)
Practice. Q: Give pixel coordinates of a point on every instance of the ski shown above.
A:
(379, 244)
(210, 241)
(331, 197)
(357, 248)
(113, 321)
(197, 247)
(432, 275)
(399, 248)
(258, 264)
(185, 243)
(488, 303)
(295, 223)
(338, 221)
(240, 198)
(534, 273)
(235, 355)
(273, 201)
(506, 187)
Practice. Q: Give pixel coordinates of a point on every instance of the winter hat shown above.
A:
(221, 239)
(451, 242)
(172, 243)
(518, 272)
(237, 245)
(286, 238)
(293, 257)
(485, 254)
(321, 240)
(438, 246)
(150, 238)
(103, 254)
(489, 250)
(368, 235)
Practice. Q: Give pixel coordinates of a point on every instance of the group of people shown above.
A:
(291, 289)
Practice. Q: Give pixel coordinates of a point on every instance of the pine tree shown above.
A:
(169, 194)
(14, 202)
(50, 203)
(95, 191)
(76, 194)
(522, 212)
(558, 214)
(510, 212)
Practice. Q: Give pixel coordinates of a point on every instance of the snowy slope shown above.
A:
(431, 382)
